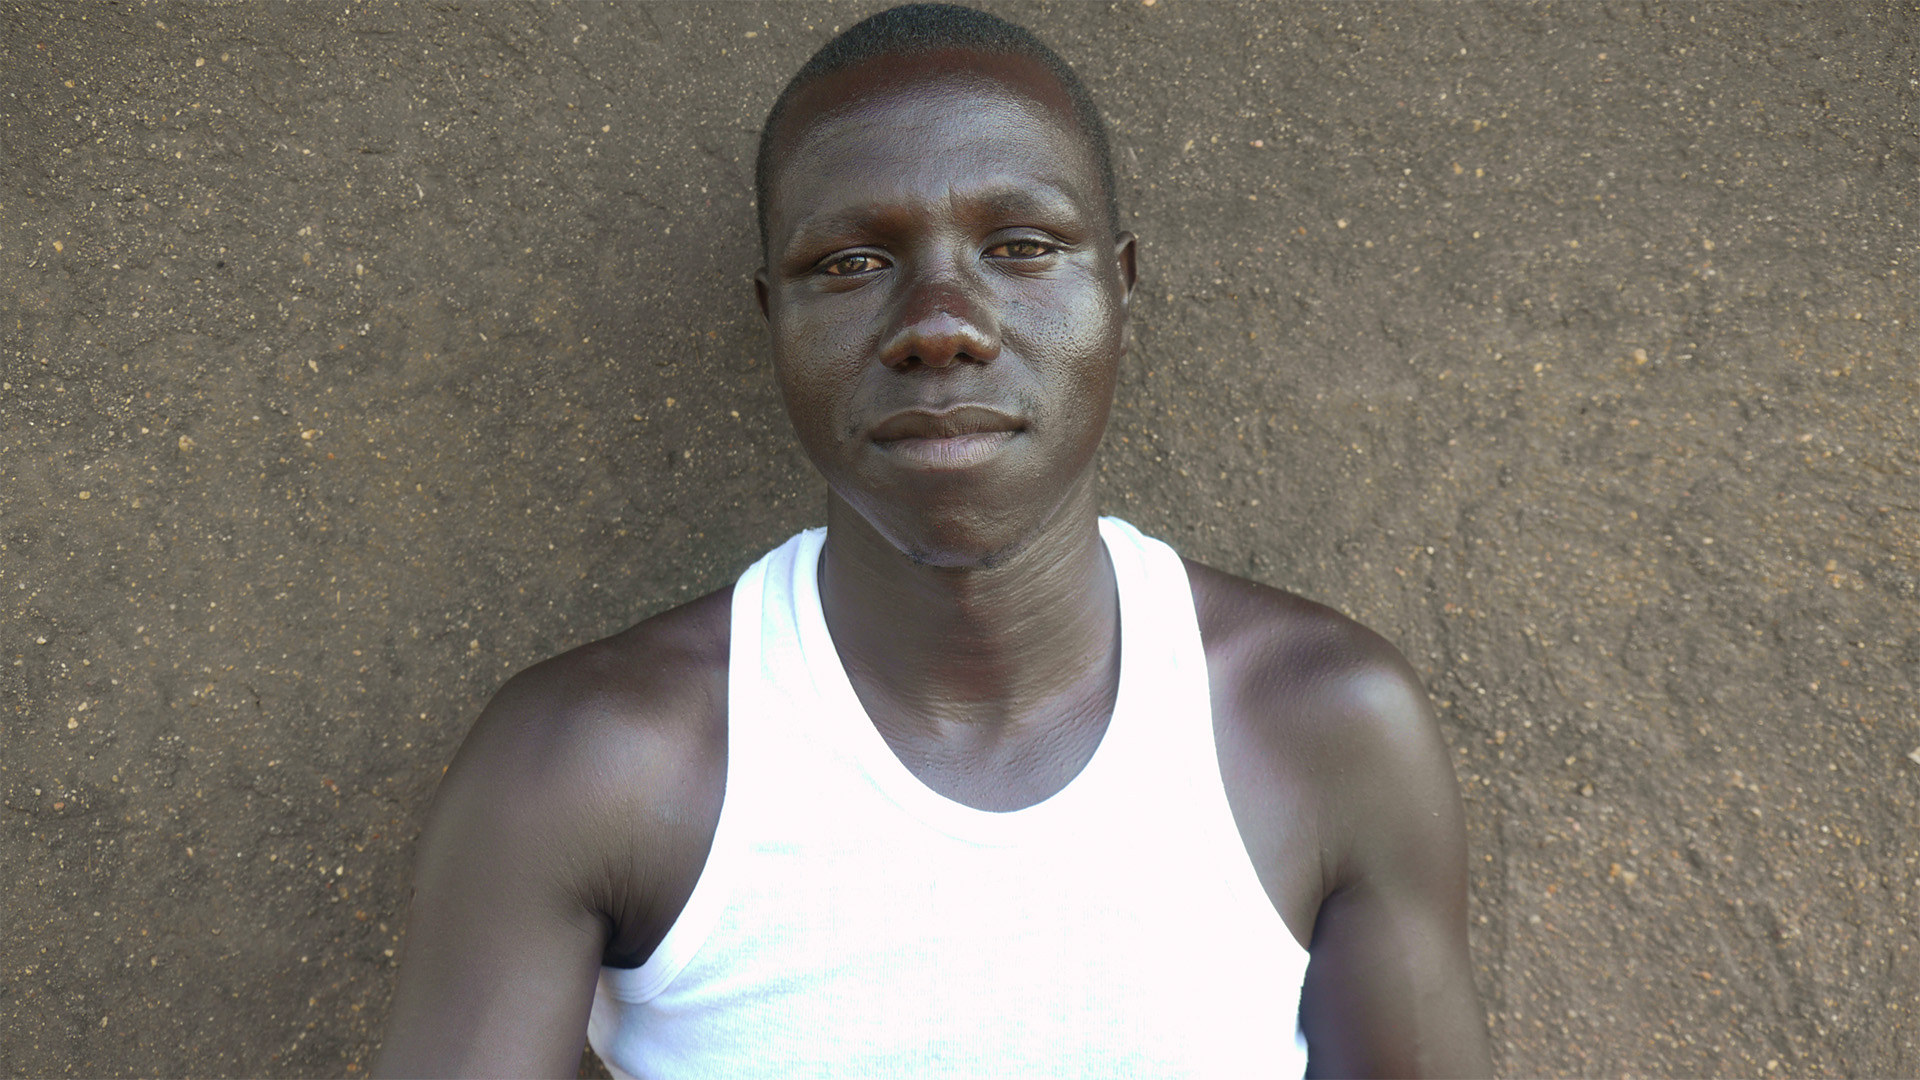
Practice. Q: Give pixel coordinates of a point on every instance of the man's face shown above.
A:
(948, 303)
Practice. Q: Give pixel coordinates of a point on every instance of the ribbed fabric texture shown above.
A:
(850, 922)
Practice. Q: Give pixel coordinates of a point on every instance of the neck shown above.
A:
(975, 652)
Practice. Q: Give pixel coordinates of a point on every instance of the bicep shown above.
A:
(1389, 990)
(502, 951)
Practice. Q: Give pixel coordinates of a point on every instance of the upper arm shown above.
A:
(1344, 793)
(569, 830)
(1389, 990)
(503, 939)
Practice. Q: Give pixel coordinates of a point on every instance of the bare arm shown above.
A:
(503, 945)
(1389, 991)
(1345, 797)
(568, 832)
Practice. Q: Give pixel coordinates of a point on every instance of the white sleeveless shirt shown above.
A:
(851, 922)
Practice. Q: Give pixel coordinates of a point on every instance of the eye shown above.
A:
(850, 265)
(1025, 248)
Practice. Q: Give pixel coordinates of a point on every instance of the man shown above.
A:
(973, 782)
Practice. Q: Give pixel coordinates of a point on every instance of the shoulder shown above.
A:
(603, 768)
(1344, 793)
(653, 689)
(566, 833)
(1292, 659)
(1328, 708)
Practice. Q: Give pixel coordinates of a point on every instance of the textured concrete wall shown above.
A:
(352, 358)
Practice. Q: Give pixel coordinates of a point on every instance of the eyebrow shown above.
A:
(1042, 200)
(1039, 201)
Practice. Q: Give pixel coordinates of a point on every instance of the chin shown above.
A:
(970, 534)
(968, 540)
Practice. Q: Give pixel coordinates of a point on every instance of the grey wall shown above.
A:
(352, 358)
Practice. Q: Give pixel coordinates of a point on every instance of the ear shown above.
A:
(1126, 248)
(761, 294)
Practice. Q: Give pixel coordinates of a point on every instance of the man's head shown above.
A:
(945, 288)
(904, 32)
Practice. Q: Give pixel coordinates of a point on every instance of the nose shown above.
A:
(943, 318)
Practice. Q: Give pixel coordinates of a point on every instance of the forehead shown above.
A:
(942, 126)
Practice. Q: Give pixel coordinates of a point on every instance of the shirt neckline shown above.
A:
(846, 722)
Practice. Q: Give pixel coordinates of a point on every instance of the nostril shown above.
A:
(940, 323)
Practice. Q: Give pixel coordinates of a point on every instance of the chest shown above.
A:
(1271, 804)
(853, 921)
(1275, 809)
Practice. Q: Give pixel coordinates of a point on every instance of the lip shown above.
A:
(947, 423)
(951, 438)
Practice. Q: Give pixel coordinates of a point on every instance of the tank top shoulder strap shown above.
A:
(1171, 680)
(760, 635)
(1163, 664)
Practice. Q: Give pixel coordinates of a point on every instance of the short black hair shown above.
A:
(924, 28)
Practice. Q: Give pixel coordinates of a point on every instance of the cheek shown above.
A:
(818, 379)
(1082, 341)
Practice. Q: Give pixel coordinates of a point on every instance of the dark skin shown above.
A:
(948, 306)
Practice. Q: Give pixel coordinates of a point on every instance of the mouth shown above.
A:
(947, 438)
